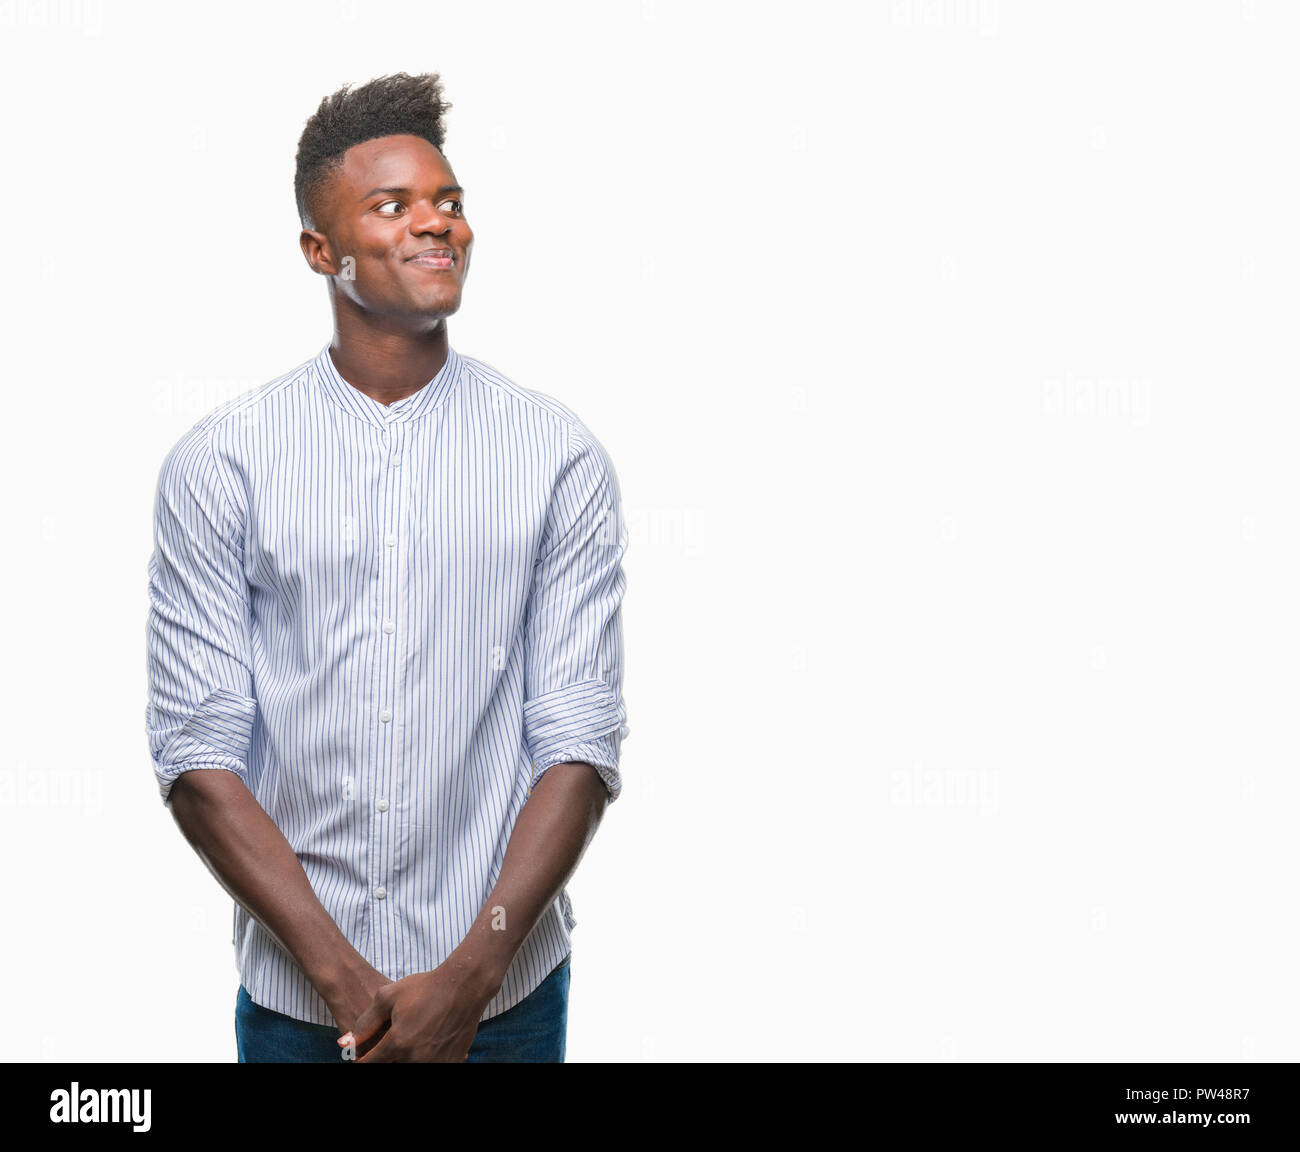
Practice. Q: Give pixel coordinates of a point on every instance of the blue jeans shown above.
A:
(532, 1032)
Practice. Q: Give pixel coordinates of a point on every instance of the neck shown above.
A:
(387, 364)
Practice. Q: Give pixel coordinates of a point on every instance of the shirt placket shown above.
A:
(387, 799)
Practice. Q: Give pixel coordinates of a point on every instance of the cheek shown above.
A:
(379, 266)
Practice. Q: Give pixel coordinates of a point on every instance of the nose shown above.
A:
(430, 220)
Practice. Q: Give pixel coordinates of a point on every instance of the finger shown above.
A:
(363, 1049)
(385, 1052)
(351, 1052)
(371, 1020)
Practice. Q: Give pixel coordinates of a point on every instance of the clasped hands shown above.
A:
(429, 1017)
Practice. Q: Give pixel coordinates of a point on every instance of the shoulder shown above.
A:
(504, 393)
(248, 407)
(204, 460)
(499, 391)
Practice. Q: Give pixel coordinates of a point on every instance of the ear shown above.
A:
(317, 252)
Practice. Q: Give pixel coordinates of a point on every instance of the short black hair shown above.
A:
(396, 105)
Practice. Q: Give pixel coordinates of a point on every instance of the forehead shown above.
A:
(391, 161)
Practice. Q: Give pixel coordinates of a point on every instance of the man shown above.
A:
(385, 642)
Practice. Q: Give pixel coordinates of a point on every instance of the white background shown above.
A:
(946, 354)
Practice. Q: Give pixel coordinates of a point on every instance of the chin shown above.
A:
(436, 309)
(444, 302)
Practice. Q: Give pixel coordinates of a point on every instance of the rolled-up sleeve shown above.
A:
(573, 707)
(201, 706)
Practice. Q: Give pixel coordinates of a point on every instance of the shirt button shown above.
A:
(380, 892)
(397, 460)
(385, 715)
(382, 805)
(391, 539)
(389, 626)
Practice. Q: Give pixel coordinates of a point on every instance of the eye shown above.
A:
(460, 206)
(385, 203)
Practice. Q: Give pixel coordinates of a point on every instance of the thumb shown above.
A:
(374, 1017)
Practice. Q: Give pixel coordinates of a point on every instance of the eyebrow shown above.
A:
(406, 191)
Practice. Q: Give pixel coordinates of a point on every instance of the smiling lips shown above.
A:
(434, 258)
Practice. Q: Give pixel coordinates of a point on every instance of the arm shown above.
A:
(549, 838)
(200, 722)
(434, 1015)
(573, 728)
(251, 859)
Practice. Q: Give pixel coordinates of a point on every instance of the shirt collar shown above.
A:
(367, 408)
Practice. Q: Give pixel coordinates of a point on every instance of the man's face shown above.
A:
(395, 208)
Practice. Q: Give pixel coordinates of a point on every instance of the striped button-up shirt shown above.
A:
(388, 621)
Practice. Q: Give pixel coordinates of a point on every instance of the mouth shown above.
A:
(433, 258)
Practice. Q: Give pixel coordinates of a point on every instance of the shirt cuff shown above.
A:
(580, 723)
(599, 754)
(168, 776)
(216, 735)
